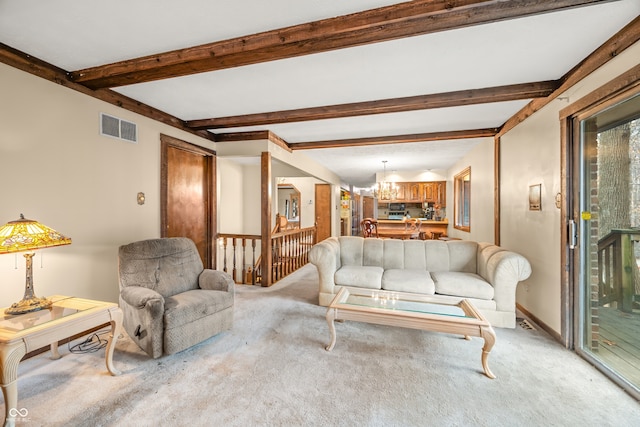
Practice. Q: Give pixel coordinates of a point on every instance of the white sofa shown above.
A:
(484, 273)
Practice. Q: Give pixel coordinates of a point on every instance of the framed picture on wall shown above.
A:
(535, 195)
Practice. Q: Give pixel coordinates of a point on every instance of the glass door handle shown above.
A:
(573, 234)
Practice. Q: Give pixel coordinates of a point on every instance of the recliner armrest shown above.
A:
(215, 280)
(140, 297)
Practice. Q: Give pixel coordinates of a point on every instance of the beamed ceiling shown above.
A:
(416, 83)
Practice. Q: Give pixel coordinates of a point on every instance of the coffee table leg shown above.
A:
(331, 315)
(489, 340)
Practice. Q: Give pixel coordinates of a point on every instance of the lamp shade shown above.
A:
(26, 235)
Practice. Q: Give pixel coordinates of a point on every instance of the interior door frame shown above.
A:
(210, 194)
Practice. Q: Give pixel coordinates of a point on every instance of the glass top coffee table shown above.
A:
(427, 312)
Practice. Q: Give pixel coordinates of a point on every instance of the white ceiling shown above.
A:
(75, 34)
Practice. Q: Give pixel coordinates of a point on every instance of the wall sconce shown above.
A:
(140, 198)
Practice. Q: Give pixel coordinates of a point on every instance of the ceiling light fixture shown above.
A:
(384, 190)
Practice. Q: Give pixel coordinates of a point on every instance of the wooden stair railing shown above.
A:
(289, 252)
(247, 274)
(619, 277)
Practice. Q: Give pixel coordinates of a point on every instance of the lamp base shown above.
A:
(27, 305)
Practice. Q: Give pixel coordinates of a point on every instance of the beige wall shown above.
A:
(531, 155)
(481, 161)
(57, 169)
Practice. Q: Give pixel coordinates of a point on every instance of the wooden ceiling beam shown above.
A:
(253, 136)
(395, 139)
(42, 69)
(394, 105)
(405, 19)
(626, 37)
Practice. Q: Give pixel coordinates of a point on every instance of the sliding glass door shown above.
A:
(608, 286)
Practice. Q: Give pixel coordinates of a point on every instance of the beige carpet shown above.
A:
(272, 370)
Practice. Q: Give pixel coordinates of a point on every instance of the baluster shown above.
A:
(296, 264)
(235, 277)
(253, 261)
(244, 262)
(224, 248)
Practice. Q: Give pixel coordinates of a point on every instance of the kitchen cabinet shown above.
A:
(419, 192)
(415, 192)
(441, 191)
(434, 192)
(402, 192)
(428, 192)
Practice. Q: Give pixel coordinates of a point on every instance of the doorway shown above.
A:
(323, 211)
(289, 205)
(188, 195)
(606, 237)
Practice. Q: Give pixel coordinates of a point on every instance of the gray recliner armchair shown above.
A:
(170, 302)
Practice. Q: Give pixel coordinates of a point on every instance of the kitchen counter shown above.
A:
(429, 227)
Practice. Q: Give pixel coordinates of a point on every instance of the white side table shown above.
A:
(23, 333)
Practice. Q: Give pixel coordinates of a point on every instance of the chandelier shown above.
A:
(385, 190)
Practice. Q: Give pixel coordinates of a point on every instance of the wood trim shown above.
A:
(497, 152)
(539, 323)
(406, 19)
(242, 136)
(42, 69)
(167, 141)
(624, 38)
(396, 139)
(566, 213)
(265, 220)
(623, 83)
(253, 136)
(456, 199)
(392, 105)
(279, 142)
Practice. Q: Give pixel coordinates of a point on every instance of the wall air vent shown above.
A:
(118, 128)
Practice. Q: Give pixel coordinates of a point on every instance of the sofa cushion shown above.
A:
(361, 276)
(437, 255)
(459, 284)
(414, 255)
(393, 253)
(351, 250)
(373, 252)
(408, 280)
(463, 256)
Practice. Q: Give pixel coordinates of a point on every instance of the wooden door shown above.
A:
(323, 211)
(188, 195)
(367, 207)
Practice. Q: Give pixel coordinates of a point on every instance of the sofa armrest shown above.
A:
(326, 257)
(505, 269)
(215, 280)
